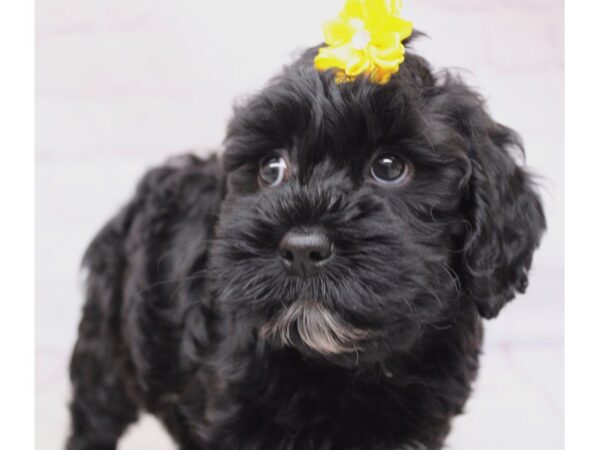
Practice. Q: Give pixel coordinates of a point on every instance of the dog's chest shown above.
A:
(324, 408)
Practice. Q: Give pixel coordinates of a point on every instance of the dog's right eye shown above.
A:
(389, 169)
(272, 171)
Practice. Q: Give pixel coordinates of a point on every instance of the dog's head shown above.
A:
(359, 214)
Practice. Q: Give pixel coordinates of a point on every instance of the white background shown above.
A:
(122, 84)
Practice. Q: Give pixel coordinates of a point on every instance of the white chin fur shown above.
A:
(318, 328)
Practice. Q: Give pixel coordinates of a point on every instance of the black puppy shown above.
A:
(321, 286)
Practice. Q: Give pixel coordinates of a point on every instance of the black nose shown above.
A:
(304, 251)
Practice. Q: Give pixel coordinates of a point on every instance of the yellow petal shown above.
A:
(357, 64)
(398, 25)
(376, 14)
(337, 32)
(381, 77)
(384, 40)
(341, 77)
(333, 57)
(387, 60)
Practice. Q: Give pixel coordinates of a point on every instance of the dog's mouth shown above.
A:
(310, 323)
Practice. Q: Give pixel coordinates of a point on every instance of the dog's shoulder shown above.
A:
(184, 186)
(184, 189)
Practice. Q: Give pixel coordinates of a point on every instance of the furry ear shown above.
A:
(505, 216)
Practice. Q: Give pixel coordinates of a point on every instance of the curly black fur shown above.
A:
(185, 286)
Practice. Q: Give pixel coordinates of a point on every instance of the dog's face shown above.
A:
(357, 215)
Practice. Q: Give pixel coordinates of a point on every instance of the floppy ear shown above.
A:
(504, 213)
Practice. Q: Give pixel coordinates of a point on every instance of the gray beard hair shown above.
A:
(319, 329)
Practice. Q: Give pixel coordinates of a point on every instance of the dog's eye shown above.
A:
(389, 169)
(272, 171)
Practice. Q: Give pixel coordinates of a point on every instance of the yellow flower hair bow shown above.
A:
(365, 38)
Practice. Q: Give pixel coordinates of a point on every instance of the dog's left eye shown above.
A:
(272, 171)
(389, 169)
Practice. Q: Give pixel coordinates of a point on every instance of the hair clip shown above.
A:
(366, 38)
